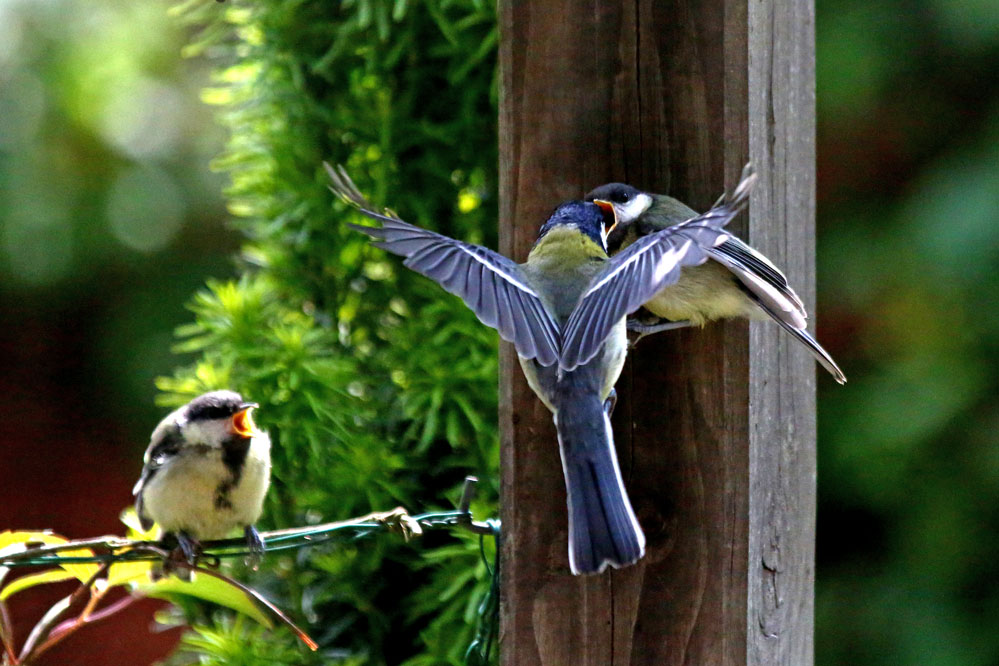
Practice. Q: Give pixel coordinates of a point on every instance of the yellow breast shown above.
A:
(703, 293)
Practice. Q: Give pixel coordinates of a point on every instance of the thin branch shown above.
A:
(398, 519)
(47, 624)
(110, 542)
(7, 633)
(68, 627)
(122, 549)
(259, 598)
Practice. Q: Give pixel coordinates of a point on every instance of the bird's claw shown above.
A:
(189, 547)
(183, 557)
(398, 520)
(610, 402)
(255, 546)
(648, 327)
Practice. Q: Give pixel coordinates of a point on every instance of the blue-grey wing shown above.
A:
(634, 275)
(494, 287)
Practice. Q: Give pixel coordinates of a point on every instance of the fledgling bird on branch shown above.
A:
(206, 473)
(564, 310)
(739, 282)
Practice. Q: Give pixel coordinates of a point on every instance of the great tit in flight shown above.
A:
(739, 282)
(564, 310)
(206, 473)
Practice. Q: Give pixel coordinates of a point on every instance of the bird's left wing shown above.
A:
(634, 275)
(765, 281)
(494, 287)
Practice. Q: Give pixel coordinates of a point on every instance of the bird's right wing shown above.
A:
(636, 273)
(494, 287)
(157, 455)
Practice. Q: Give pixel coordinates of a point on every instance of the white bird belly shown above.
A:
(184, 494)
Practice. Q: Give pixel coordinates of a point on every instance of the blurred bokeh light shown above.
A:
(109, 220)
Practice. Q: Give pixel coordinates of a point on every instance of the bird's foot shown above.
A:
(189, 547)
(398, 520)
(644, 328)
(610, 402)
(184, 556)
(255, 545)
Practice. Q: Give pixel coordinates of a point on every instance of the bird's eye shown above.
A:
(620, 197)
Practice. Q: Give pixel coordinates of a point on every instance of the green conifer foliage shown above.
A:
(378, 388)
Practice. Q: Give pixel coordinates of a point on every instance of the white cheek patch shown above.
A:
(208, 433)
(630, 211)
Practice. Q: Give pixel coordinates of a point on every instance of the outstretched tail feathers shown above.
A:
(803, 336)
(603, 529)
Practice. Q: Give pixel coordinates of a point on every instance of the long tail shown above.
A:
(803, 336)
(602, 525)
(768, 287)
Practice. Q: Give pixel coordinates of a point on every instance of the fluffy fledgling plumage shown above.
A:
(738, 282)
(206, 471)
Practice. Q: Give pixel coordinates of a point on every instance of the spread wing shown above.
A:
(493, 286)
(634, 275)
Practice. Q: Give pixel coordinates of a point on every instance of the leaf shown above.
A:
(10, 549)
(82, 572)
(208, 589)
(127, 572)
(131, 520)
(25, 582)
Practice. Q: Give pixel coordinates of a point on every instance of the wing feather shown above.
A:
(634, 275)
(763, 280)
(494, 287)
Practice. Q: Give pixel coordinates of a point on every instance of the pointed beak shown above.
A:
(610, 216)
(242, 421)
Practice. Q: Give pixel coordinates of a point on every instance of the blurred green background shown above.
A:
(110, 220)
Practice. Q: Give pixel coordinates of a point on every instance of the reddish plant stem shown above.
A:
(69, 627)
(7, 633)
(29, 652)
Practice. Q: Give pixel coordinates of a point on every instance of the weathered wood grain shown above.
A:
(782, 376)
(715, 427)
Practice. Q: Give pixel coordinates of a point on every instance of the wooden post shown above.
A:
(714, 427)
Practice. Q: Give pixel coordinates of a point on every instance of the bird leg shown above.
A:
(255, 545)
(610, 402)
(642, 328)
(185, 555)
(189, 547)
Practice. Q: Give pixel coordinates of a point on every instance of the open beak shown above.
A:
(242, 421)
(610, 216)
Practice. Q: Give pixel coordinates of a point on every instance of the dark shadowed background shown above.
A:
(110, 219)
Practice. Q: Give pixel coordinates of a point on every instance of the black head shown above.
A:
(616, 193)
(589, 218)
(215, 405)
